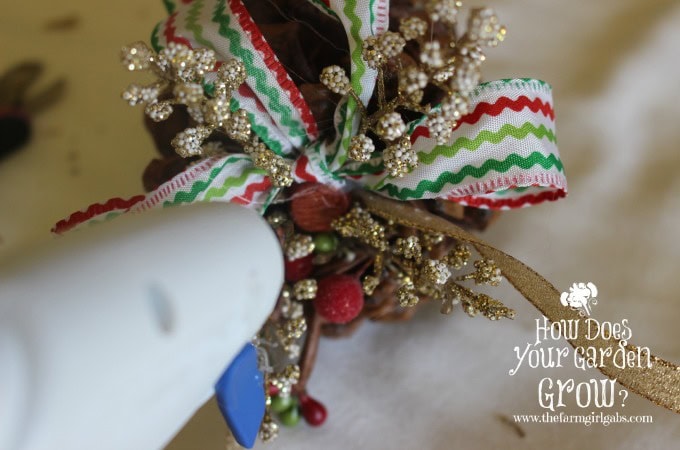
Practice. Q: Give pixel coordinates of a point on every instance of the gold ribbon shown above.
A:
(659, 383)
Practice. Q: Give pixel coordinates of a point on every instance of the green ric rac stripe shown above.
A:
(512, 191)
(113, 214)
(364, 169)
(169, 6)
(355, 30)
(261, 130)
(357, 74)
(436, 186)
(527, 80)
(271, 92)
(493, 137)
(192, 24)
(341, 126)
(415, 123)
(199, 186)
(155, 44)
(320, 4)
(371, 10)
(270, 198)
(514, 80)
(232, 182)
(512, 83)
(106, 218)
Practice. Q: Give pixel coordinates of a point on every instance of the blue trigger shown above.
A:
(240, 396)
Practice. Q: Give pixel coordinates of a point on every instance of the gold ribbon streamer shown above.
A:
(659, 383)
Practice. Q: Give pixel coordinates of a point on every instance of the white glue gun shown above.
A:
(113, 336)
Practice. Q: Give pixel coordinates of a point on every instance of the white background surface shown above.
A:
(435, 382)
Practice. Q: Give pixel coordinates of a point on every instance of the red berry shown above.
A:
(313, 411)
(339, 298)
(298, 269)
(314, 206)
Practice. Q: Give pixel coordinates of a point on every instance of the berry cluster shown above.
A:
(182, 73)
(343, 265)
(418, 63)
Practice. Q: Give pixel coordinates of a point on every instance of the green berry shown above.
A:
(290, 417)
(280, 404)
(325, 242)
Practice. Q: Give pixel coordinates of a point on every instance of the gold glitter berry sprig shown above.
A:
(181, 76)
(453, 67)
(409, 260)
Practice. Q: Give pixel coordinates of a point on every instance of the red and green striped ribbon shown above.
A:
(361, 19)
(226, 27)
(502, 155)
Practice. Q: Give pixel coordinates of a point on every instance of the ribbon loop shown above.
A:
(502, 155)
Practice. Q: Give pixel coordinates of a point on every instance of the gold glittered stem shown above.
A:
(310, 349)
(381, 87)
(357, 100)
(363, 114)
(659, 383)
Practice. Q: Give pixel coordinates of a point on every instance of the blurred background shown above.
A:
(434, 382)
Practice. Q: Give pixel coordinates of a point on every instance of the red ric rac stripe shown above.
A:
(96, 209)
(273, 64)
(495, 109)
(502, 103)
(250, 192)
(170, 29)
(301, 169)
(533, 199)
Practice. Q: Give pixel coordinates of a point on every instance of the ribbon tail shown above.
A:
(659, 383)
(231, 178)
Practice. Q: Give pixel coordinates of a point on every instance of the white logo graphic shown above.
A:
(581, 297)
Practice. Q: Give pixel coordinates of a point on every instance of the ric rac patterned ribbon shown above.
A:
(502, 155)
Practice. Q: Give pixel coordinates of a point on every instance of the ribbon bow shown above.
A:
(501, 155)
